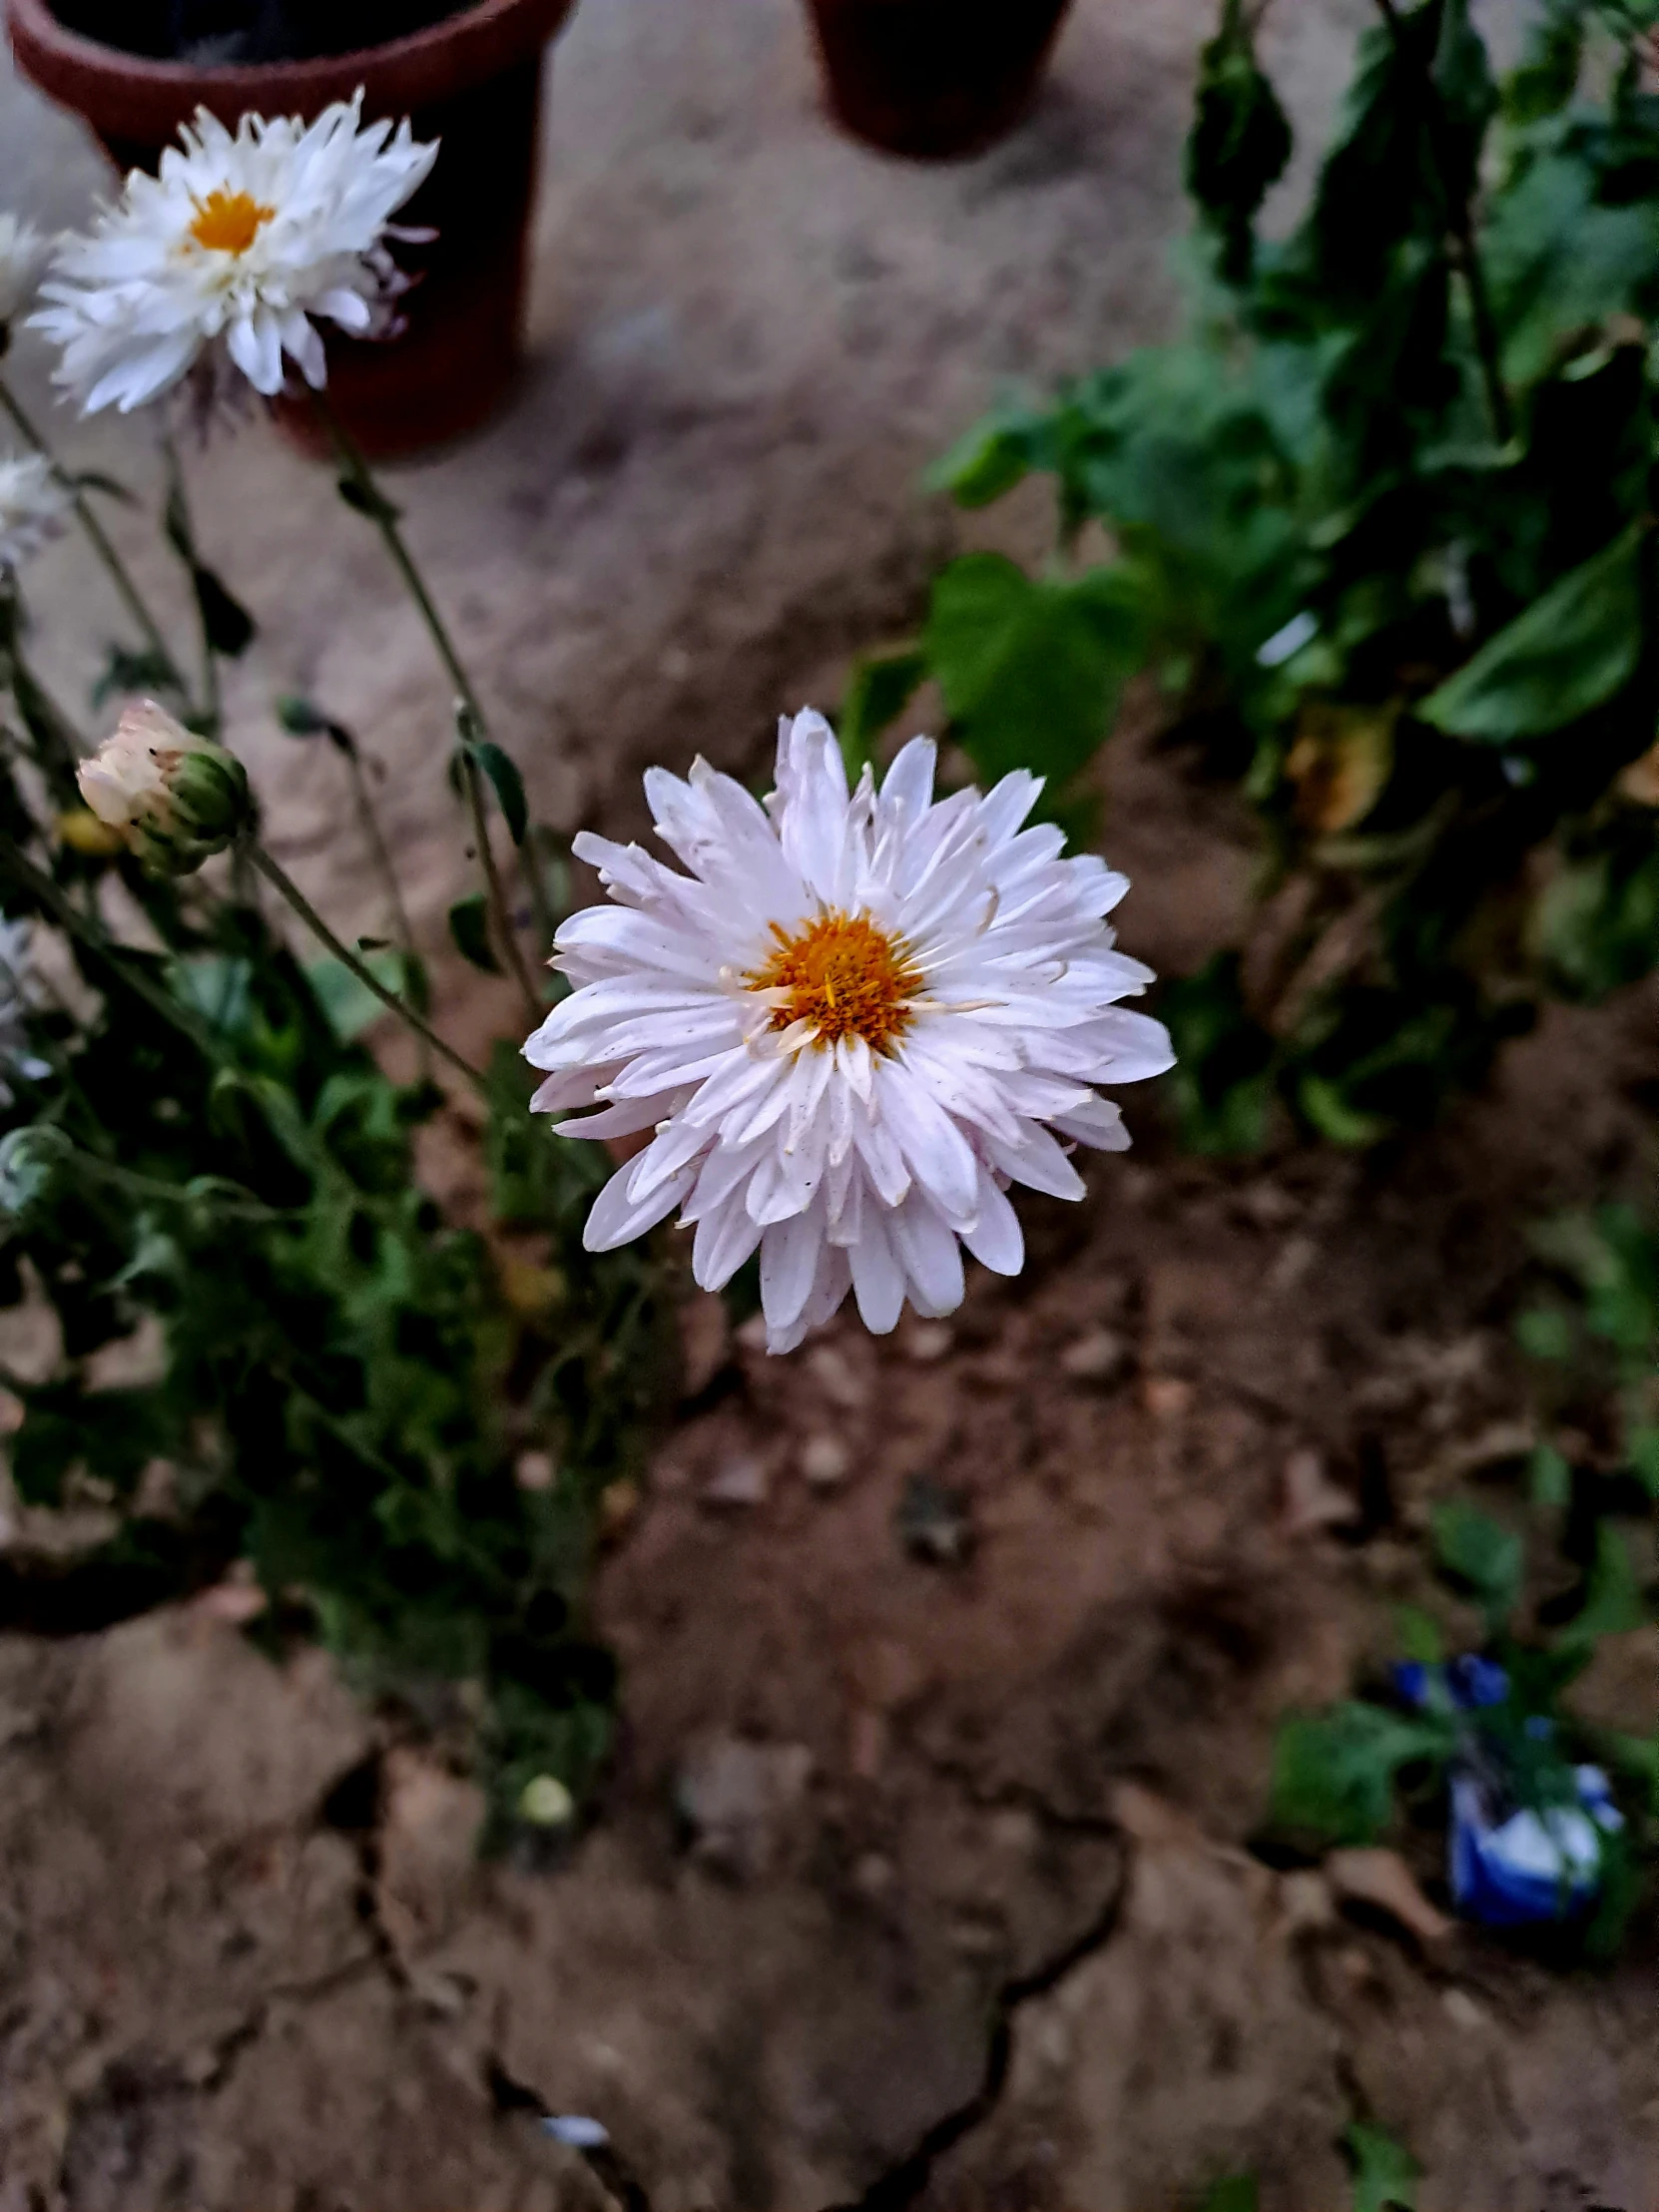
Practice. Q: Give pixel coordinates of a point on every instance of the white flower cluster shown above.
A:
(857, 1020)
(230, 255)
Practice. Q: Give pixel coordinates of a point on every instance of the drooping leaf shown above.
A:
(470, 929)
(1567, 653)
(1240, 142)
(1030, 669)
(507, 785)
(225, 622)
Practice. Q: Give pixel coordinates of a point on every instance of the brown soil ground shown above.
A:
(917, 1879)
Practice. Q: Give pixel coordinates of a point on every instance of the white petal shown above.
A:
(788, 1263)
(878, 1279)
(615, 1219)
(996, 1240)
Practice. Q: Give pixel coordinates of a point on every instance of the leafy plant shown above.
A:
(1381, 528)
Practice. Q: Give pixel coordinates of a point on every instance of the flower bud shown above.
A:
(174, 798)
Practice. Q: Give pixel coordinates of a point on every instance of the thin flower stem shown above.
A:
(368, 821)
(495, 890)
(287, 890)
(380, 511)
(98, 539)
(213, 710)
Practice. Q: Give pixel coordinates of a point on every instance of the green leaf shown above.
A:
(1386, 2175)
(298, 716)
(351, 1007)
(1612, 1594)
(987, 462)
(507, 785)
(225, 622)
(1032, 669)
(469, 925)
(881, 689)
(1334, 1773)
(1546, 75)
(125, 674)
(1481, 1551)
(1570, 650)
(1548, 1478)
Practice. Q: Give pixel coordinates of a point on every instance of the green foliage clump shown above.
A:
(200, 1166)
(1382, 527)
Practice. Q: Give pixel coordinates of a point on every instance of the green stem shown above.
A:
(368, 821)
(99, 540)
(212, 700)
(380, 511)
(287, 890)
(495, 890)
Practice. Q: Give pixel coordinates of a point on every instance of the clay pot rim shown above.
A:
(131, 96)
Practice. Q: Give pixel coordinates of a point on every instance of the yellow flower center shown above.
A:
(846, 977)
(228, 222)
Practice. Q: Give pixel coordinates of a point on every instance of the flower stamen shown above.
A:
(844, 976)
(228, 222)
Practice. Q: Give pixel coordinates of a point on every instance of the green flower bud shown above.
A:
(174, 798)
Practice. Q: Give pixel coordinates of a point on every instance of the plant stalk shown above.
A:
(354, 464)
(99, 540)
(368, 821)
(287, 890)
(213, 713)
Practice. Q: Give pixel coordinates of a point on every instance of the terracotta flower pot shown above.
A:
(472, 79)
(934, 78)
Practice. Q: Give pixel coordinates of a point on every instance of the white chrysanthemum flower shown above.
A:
(33, 501)
(22, 257)
(852, 1026)
(15, 993)
(231, 252)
